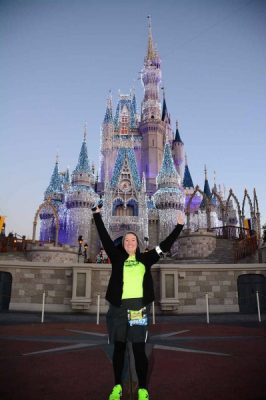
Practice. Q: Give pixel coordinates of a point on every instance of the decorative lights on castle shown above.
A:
(144, 174)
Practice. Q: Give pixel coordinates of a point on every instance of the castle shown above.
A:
(143, 179)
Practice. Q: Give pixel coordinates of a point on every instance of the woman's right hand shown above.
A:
(97, 207)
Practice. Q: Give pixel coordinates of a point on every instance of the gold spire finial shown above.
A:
(151, 51)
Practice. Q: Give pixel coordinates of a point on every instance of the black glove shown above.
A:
(99, 205)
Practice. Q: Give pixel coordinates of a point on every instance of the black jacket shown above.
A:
(118, 257)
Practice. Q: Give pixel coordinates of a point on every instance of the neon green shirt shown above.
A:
(133, 274)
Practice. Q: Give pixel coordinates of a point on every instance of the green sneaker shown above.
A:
(117, 393)
(143, 394)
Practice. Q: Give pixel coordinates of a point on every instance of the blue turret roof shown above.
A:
(177, 135)
(134, 103)
(55, 185)
(83, 162)
(164, 110)
(187, 180)
(108, 118)
(206, 190)
(168, 174)
(122, 154)
(165, 113)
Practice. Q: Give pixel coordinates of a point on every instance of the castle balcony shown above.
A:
(125, 223)
(120, 225)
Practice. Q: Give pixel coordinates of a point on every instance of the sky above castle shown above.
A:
(59, 59)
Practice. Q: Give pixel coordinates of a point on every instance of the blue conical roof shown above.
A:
(177, 135)
(206, 190)
(108, 118)
(164, 110)
(187, 180)
(165, 114)
(134, 103)
(55, 185)
(168, 175)
(83, 162)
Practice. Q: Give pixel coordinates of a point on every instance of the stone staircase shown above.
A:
(223, 253)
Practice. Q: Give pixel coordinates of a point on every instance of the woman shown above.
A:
(130, 291)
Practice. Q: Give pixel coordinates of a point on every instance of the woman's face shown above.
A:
(130, 244)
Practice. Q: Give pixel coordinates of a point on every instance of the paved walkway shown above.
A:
(68, 357)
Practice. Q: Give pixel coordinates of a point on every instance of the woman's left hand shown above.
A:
(180, 217)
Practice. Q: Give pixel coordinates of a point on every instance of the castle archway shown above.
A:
(227, 206)
(256, 214)
(251, 210)
(207, 206)
(221, 205)
(46, 204)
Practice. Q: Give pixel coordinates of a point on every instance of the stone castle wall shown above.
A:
(179, 288)
(198, 244)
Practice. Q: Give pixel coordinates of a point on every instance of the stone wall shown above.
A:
(30, 280)
(179, 288)
(219, 283)
(49, 253)
(198, 244)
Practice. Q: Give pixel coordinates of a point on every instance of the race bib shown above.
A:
(137, 317)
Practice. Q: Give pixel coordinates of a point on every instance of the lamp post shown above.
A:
(85, 252)
(80, 241)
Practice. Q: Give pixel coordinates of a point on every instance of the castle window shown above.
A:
(121, 211)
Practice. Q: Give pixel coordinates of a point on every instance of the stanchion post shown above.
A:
(98, 309)
(153, 313)
(258, 305)
(43, 304)
(207, 307)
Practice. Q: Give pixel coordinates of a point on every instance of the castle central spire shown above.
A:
(151, 79)
(151, 51)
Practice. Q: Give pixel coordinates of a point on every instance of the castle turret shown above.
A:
(80, 198)
(178, 152)
(107, 140)
(189, 189)
(54, 192)
(169, 197)
(151, 127)
(167, 120)
(206, 190)
(208, 217)
(151, 79)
